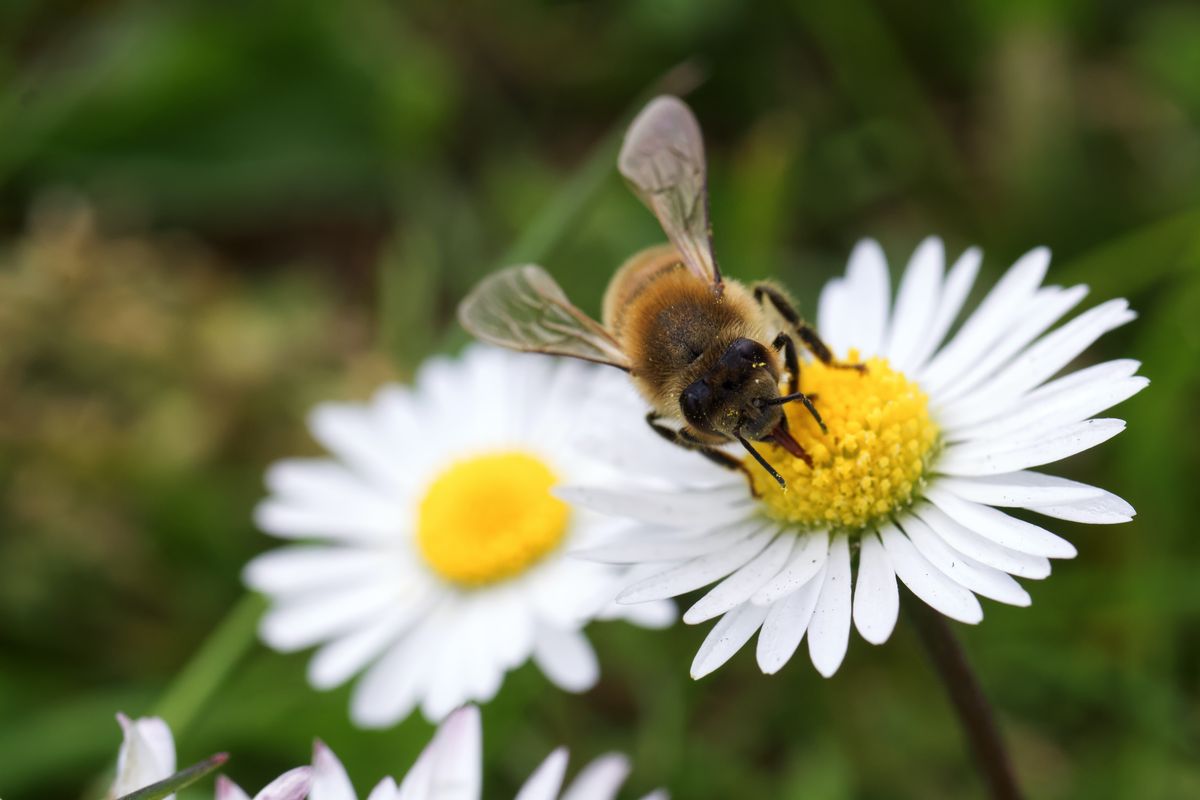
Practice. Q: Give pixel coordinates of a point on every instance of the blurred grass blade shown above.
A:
(1137, 260)
(180, 780)
(568, 204)
(211, 664)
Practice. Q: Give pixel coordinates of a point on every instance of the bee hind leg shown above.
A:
(807, 333)
(684, 439)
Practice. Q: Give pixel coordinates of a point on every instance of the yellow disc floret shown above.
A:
(879, 442)
(490, 517)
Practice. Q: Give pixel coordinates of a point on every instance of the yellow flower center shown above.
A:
(872, 459)
(490, 517)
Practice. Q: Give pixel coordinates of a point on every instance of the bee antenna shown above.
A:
(803, 398)
(762, 461)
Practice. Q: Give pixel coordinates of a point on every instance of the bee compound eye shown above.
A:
(742, 353)
(747, 348)
(696, 401)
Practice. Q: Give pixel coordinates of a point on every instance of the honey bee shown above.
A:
(706, 352)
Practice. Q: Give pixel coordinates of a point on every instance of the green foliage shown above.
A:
(180, 780)
(213, 216)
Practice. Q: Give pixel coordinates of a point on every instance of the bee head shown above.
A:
(733, 396)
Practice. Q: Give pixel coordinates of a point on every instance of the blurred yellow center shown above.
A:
(870, 462)
(490, 517)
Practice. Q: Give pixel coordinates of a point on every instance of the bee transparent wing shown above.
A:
(663, 159)
(522, 308)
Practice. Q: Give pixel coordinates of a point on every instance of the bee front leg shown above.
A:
(785, 343)
(684, 439)
(807, 333)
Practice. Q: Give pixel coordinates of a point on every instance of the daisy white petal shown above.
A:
(329, 778)
(916, 303)
(868, 283)
(962, 569)
(997, 456)
(980, 548)
(352, 433)
(228, 790)
(829, 630)
(660, 507)
(547, 779)
(978, 410)
(1006, 301)
(147, 754)
(386, 789)
(1054, 413)
(697, 572)
(1019, 489)
(301, 568)
(439, 557)
(727, 637)
(1002, 529)
(738, 587)
(599, 780)
(806, 561)
(953, 294)
(832, 317)
(1045, 358)
(659, 545)
(295, 624)
(786, 622)
(450, 766)
(342, 658)
(926, 581)
(1106, 509)
(876, 598)
(291, 785)
(567, 658)
(1046, 308)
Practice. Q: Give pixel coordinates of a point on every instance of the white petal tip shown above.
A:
(827, 670)
(631, 597)
(1067, 551)
(875, 637)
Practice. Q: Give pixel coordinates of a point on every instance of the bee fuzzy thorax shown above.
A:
(673, 327)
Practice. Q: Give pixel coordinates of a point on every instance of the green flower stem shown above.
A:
(974, 712)
(211, 665)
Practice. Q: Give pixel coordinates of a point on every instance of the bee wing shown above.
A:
(663, 159)
(522, 308)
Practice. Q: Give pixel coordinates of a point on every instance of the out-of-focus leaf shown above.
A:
(180, 780)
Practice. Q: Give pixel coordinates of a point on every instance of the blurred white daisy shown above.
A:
(147, 756)
(922, 452)
(435, 556)
(451, 768)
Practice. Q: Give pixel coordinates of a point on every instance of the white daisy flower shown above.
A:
(435, 556)
(147, 756)
(451, 768)
(923, 451)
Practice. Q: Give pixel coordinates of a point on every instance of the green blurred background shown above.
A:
(213, 215)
